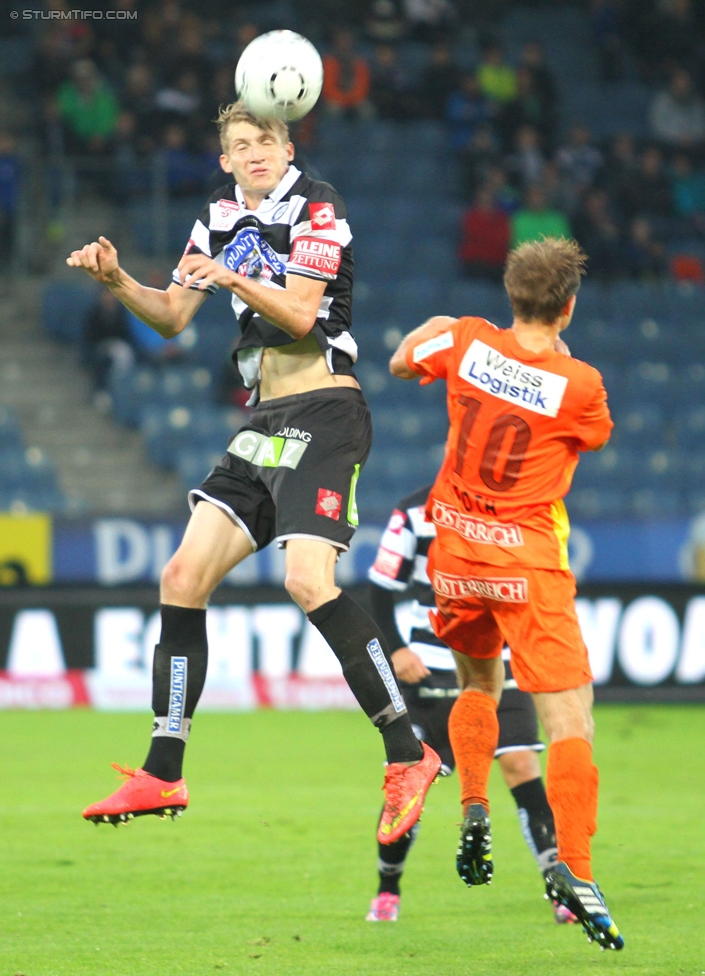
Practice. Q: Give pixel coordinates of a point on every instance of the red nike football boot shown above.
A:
(141, 793)
(405, 788)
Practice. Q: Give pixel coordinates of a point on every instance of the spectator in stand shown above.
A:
(245, 34)
(497, 79)
(190, 55)
(52, 59)
(179, 103)
(138, 100)
(485, 238)
(391, 90)
(648, 193)
(467, 110)
(504, 194)
(346, 79)
(597, 231)
(88, 109)
(688, 189)
(526, 109)
(184, 174)
(439, 80)
(679, 32)
(536, 220)
(622, 164)
(106, 340)
(643, 255)
(533, 60)
(478, 159)
(9, 199)
(579, 161)
(527, 163)
(607, 35)
(559, 192)
(677, 114)
(385, 22)
(429, 20)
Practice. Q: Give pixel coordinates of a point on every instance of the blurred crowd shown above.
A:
(152, 85)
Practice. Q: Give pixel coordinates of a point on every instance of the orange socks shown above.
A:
(474, 731)
(571, 787)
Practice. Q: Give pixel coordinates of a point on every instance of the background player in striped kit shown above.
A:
(425, 669)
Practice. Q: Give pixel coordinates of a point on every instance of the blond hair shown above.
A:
(236, 112)
(541, 276)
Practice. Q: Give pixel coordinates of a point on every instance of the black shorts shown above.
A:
(429, 704)
(292, 470)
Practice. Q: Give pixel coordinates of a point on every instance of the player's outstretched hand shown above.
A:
(99, 259)
(408, 666)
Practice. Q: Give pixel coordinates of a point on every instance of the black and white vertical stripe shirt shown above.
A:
(401, 564)
(301, 228)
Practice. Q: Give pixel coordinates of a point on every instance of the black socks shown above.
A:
(536, 821)
(358, 644)
(178, 676)
(391, 859)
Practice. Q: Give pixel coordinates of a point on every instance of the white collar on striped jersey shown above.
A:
(282, 187)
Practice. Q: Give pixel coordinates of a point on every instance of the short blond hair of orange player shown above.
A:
(520, 409)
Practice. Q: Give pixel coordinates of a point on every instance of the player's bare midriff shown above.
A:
(298, 368)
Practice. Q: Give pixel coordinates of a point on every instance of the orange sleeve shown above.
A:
(595, 424)
(429, 357)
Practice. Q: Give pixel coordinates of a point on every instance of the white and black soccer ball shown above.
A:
(279, 75)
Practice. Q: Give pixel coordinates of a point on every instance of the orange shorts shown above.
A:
(482, 607)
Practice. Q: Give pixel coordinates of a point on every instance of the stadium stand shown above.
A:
(406, 189)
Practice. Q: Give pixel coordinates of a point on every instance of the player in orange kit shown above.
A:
(520, 411)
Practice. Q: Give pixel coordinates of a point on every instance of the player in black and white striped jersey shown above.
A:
(280, 243)
(425, 668)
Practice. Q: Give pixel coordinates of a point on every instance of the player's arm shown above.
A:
(595, 424)
(293, 309)
(167, 312)
(408, 666)
(398, 365)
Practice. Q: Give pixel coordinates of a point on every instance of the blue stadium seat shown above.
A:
(632, 302)
(131, 392)
(610, 468)
(640, 424)
(650, 503)
(10, 430)
(64, 309)
(685, 305)
(416, 299)
(690, 427)
(477, 298)
(653, 382)
(420, 427)
(192, 465)
(597, 502)
(167, 431)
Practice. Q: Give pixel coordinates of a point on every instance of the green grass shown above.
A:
(271, 869)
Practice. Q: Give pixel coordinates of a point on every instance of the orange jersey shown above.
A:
(517, 422)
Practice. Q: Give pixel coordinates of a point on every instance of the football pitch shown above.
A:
(272, 867)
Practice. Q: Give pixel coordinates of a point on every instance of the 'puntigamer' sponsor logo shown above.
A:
(250, 252)
(525, 386)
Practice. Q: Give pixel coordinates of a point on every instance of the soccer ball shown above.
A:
(279, 75)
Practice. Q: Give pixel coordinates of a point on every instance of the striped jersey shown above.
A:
(301, 228)
(401, 564)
